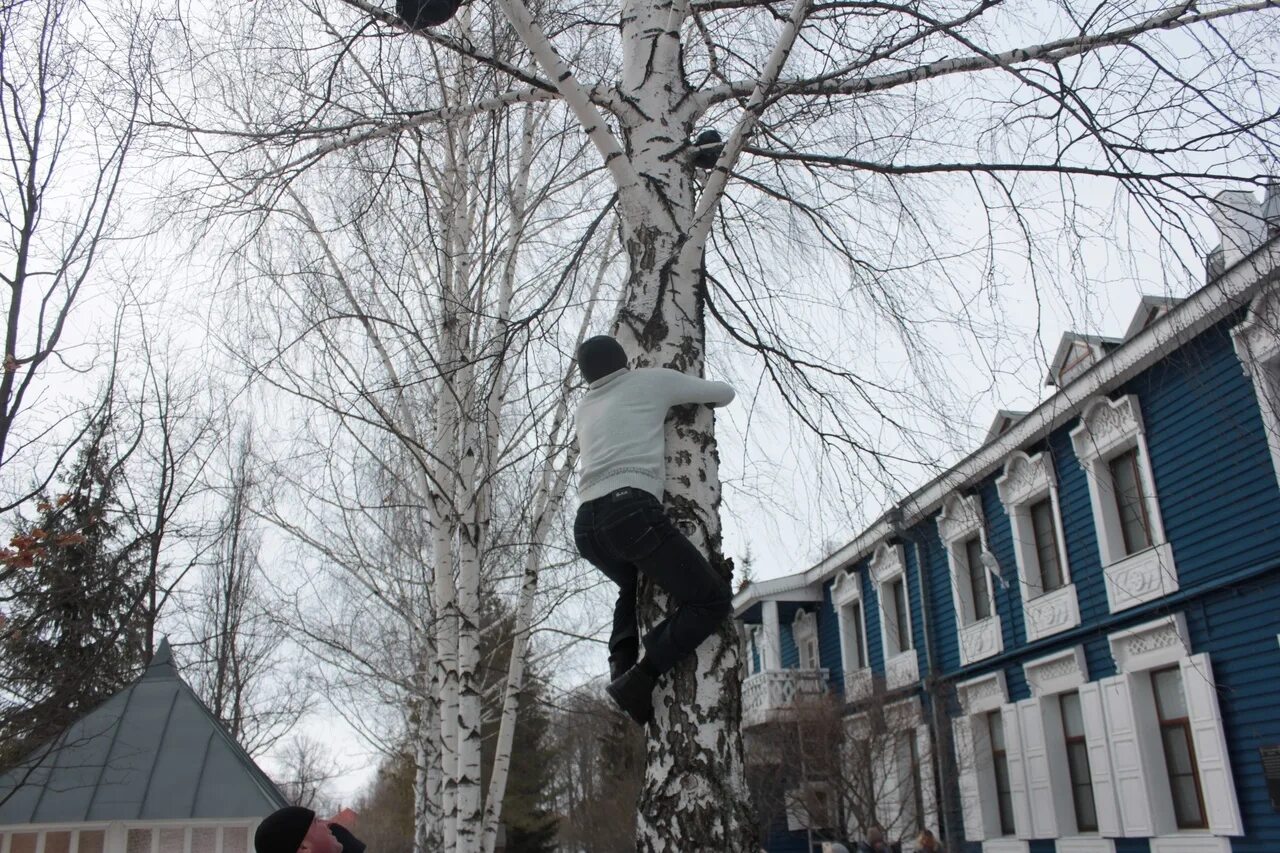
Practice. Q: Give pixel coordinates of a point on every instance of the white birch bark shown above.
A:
(547, 501)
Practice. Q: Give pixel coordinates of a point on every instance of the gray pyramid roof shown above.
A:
(152, 751)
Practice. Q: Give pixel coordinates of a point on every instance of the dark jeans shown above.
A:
(626, 533)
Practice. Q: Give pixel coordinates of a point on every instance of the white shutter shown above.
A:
(1130, 774)
(1095, 735)
(1035, 754)
(1017, 772)
(888, 787)
(924, 749)
(1211, 747)
(967, 765)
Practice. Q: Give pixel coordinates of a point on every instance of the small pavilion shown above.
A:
(151, 770)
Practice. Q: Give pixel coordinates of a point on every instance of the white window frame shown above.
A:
(804, 630)
(1137, 755)
(1026, 481)
(975, 767)
(960, 521)
(1044, 745)
(846, 594)
(1107, 429)
(116, 833)
(1257, 343)
(887, 565)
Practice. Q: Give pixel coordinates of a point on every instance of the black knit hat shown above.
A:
(600, 356)
(283, 830)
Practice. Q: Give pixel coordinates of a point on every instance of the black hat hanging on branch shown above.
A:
(420, 14)
(707, 146)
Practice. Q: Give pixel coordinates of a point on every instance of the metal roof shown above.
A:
(151, 752)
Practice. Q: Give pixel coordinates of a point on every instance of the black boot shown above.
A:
(633, 691)
(622, 658)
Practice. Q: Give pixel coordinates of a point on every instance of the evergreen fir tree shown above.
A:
(73, 633)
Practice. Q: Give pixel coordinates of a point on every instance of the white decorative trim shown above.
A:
(887, 562)
(1190, 844)
(1153, 644)
(981, 640)
(858, 684)
(1051, 613)
(984, 693)
(1257, 343)
(960, 522)
(902, 669)
(1004, 845)
(846, 591)
(1108, 428)
(846, 587)
(804, 626)
(1144, 576)
(1056, 673)
(961, 517)
(1026, 480)
(1084, 844)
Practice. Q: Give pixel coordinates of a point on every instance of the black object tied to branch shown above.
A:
(707, 147)
(420, 14)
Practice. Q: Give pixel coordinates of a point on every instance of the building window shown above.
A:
(901, 627)
(810, 654)
(804, 629)
(1131, 504)
(1029, 493)
(1137, 559)
(857, 642)
(1045, 533)
(963, 534)
(1000, 764)
(1179, 749)
(979, 583)
(1078, 763)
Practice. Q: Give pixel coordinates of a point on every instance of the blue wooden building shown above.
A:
(1071, 640)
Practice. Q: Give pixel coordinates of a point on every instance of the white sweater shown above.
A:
(620, 432)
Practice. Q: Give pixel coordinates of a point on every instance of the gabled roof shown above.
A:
(152, 751)
(1150, 308)
(1098, 346)
(1000, 424)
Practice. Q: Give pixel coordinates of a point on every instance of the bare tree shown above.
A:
(838, 774)
(845, 124)
(70, 114)
(306, 771)
(237, 669)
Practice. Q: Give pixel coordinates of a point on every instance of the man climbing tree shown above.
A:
(621, 528)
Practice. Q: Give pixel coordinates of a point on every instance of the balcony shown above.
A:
(766, 696)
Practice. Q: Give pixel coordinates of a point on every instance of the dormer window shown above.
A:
(1080, 357)
(1077, 353)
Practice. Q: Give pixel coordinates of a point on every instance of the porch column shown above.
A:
(772, 637)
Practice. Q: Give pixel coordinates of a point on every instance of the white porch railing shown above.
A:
(766, 694)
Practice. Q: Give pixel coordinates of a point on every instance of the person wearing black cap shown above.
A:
(294, 829)
(621, 527)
